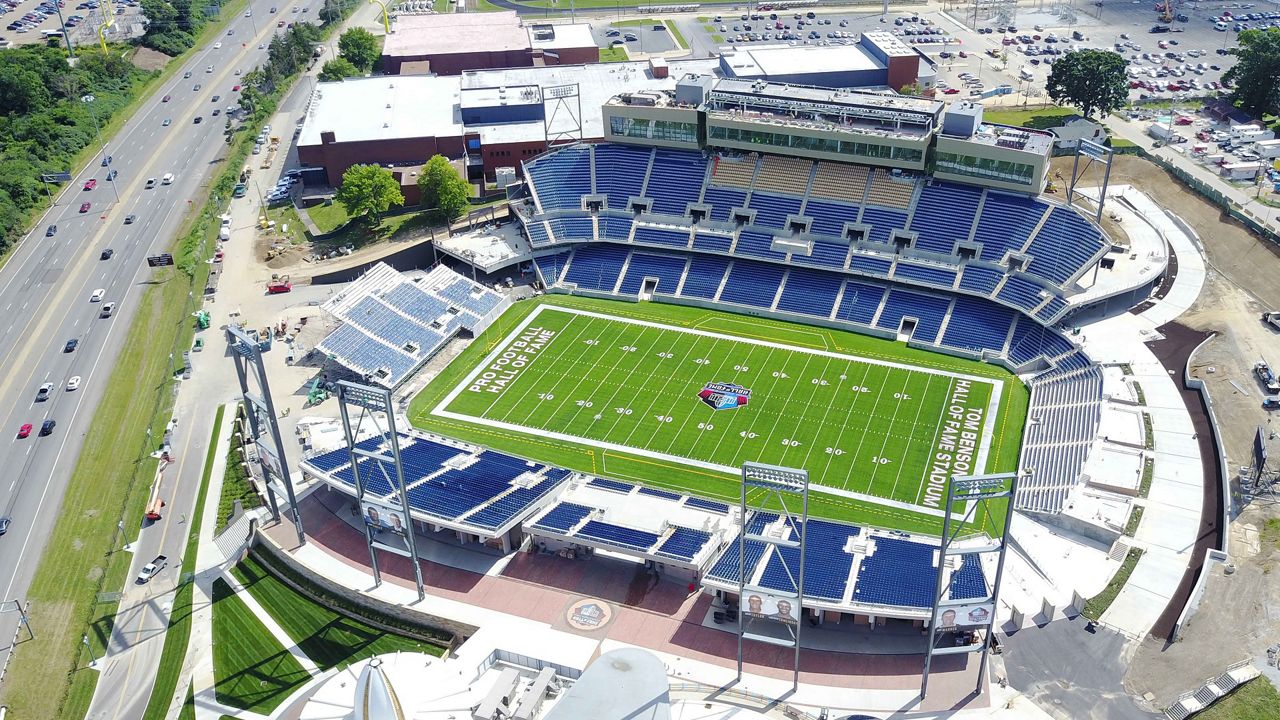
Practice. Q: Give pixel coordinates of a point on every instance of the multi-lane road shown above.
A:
(46, 289)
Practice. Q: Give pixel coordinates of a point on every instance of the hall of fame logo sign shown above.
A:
(724, 396)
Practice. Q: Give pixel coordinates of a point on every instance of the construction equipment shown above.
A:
(1268, 378)
(316, 394)
(202, 319)
(1273, 318)
(279, 284)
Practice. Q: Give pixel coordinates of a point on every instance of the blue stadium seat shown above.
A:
(617, 535)
(572, 229)
(1020, 292)
(712, 242)
(615, 228)
(810, 292)
(561, 177)
(870, 265)
(723, 201)
(563, 516)
(860, 302)
(659, 493)
(411, 300)
(827, 565)
(757, 244)
(395, 329)
(537, 233)
(1051, 309)
(1064, 246)
(900, 572)
(924, 274)
(977, 325)
(929, 310)
(703, 504)
(772, 210)
(684, 543)
(620, 171)
(830, 216)
(671, 237)
(825, 254)
(666, 268)
(944, 214)
(980, 280)
(596, 266)
(752, 283)
(675, 180)
(358, 350)
(613, 485)
(882, 222)
(967, 581)
(704, 277)
(1006, 223)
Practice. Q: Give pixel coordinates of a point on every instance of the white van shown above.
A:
(1026, 74)
(167, 179)
(1220, 26)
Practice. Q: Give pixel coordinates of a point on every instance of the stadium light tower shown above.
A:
(261, 412)
(768, 488)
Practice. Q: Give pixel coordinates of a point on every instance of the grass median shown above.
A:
(179, 633)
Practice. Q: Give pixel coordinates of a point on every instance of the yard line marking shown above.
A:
(896, 407)
(608, 404)
(906, 449)
(518, 402)
(804, 371)
(755, 387)
(835, 395)
(720, 371)
(942, 412)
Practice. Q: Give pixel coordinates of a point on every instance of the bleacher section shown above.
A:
(772, 210)
(562, 178)
(752, 283)
(899, 572)
(736, 172)
(596, 266)
(457, 484)
(1062, 422)
(627, 167)
(838, 181)
(929, 310)
(667, 269)
(939, 219)
(890, 191)
(391, 324)
(675, 180)
(783, 174)
(549, 266)
(1005, 224)
(1065, 244)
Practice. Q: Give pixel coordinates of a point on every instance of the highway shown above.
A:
(45, 291)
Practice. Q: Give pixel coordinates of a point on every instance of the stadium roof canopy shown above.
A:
(380, 108)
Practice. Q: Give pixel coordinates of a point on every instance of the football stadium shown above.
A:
(868, 290)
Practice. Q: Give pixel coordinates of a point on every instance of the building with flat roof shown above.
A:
(877, 60)
(450, 43)
(971, 150)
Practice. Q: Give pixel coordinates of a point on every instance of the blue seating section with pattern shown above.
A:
(900, 572)
(825, 254)
(757, 244)
(727, 566)
(1006, 223)
(613, 485)
(827, 566)
(596, 266)
(870, 265)
(537, 233)
(550, 267)
(980, 280)
(705, 275)
(929, 310)
(666, 268)
(924, 274)
(810, 292)
(711, 242)
(572, 229)
(882, 222)
(752, 283)
(412, 301)
(1065, 243)
(977, 325)
(723, 201)
(703, 504)
(620, 171)
(357, 349)
(1020, 292)
(944, 215)
(561, 178)
(615, 228)
(860, 302)
(383, 322)
(772, 210)
(684, 543)
(506, 507)
(663, 236)
(967, 581)
(829, 216)
(675, 180)
(617, 535)
(659, 493)
(563, 516)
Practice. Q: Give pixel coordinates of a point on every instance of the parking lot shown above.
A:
(638, 36)
(36, 21)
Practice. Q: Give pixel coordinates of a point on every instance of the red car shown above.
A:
(24, 431)
(84, 207)
(235, 89)
(166, 98)
(950, 91)
(91, 184)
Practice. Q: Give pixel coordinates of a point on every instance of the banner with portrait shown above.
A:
(970, 615)
(771, 607)
(383, 517)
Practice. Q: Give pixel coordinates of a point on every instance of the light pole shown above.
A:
(97, 132)
(93, 660)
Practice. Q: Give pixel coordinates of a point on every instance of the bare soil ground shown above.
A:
(148, 59)
(1240, 615)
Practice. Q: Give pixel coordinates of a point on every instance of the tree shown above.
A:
(368, 190)
(360, 47)
(1092, 80)
(21, 91)
(443, 189)
(338, 69)
(1256, 73)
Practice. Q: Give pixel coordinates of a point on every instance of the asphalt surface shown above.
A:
(45, 290)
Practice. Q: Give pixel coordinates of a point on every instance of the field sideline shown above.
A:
(613, 388)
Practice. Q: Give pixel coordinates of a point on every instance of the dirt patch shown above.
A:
(148, 59)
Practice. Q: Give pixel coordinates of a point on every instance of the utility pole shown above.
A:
(93, 660)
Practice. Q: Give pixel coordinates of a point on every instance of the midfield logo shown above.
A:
(724, 396)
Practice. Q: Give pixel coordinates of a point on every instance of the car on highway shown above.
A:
(151, 182)
(273, 10)
(91, 184)
(106, 161)
(71, 345)
(106, 254)
(167, 122)
(215, 98)
(25, 430)
(199, 120)
(107, 310)
(235, 88)
(5, 522)
(209, 69)
(630, 37)
(42, 393)
(46, 427)
(196, 87)
(217, 45)
(167, 179)
(84, 207)
(111, 174)
(166, 98)
(186, 75)
(73, 383)
(51, 231)
(216, 112)
(130, 218)
(230, 32)
(97, 295)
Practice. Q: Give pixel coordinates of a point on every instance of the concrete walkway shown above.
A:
(272, 626)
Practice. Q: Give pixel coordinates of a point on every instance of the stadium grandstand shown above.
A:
(391, 325)
(812, 205)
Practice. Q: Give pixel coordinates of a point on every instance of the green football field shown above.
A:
(681, 397)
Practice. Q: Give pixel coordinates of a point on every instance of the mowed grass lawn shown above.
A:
(1255, 700)
(607, 387)
(329, 638)
(252, 671)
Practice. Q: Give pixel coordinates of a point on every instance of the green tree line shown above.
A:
(44, 121)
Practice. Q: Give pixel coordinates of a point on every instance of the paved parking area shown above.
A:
(27, 21)
(638, 36)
